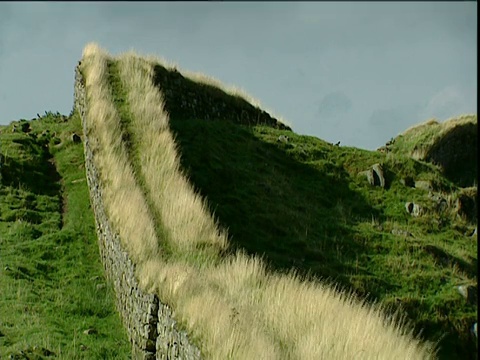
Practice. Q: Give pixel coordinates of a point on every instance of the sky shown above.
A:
(355, 72)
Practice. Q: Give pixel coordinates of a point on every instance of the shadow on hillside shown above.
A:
(31, 169)
(457, 153)
(293, 215)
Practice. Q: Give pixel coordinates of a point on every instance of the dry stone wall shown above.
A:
(186, 99)
(149, 323)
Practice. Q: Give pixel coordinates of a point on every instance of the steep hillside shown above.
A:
(54, 301)
(305, 204)
(266, 243)
(297, 201)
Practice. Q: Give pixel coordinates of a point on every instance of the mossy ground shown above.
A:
(51, 277)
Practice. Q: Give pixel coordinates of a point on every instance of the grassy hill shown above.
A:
(52, 287)
(214, 196)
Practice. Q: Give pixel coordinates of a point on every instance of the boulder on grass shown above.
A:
(76, 138)
(375, 175)
(413, 209)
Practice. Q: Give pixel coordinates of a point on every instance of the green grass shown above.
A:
(452, 144)
(50, 266)
(301, 205)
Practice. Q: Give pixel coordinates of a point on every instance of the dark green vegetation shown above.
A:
(301, 204)
(51, 278)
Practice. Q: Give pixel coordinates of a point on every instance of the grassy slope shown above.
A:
(50, 268)
(205, 291)
(301, 205)
(298, 204)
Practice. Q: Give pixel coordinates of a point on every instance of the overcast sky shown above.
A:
(358, 73)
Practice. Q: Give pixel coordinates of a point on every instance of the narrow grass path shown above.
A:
(51, 277)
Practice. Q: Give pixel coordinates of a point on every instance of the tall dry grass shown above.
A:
(182, 212)
(125, 204)
(232, 306)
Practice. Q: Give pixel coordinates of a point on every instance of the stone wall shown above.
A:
(187, 99)
(150, 325)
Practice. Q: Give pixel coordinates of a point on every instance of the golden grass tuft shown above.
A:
(125, 205)
(232, 306)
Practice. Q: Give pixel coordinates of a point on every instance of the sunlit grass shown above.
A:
(230, 304)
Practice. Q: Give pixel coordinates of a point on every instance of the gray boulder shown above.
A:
(378, 177)
(400, 232)
(413, 209)
(76, 138)
(469, 292)
(424, 185)
(375, 175)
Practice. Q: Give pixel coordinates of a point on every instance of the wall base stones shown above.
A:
(150, 325)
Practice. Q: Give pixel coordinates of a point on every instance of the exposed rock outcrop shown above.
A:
(413, 209)
(375, 175)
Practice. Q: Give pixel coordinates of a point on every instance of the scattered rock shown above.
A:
(469, 292)
(401, 232)
(379, 179)
(283, 139)
(90, 331)
(374, 175)
(470, 232)
(76, 138)
(424, 185)
(413, 209)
